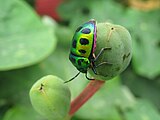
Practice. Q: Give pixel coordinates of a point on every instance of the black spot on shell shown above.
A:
(72, 59)
(86, 31)
(82, 51)
(86, 62)
(74, 43)
(84, 41)
(79, 28)
(80, 61)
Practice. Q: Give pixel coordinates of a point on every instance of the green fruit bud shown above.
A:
(117, 41)
(51, 97)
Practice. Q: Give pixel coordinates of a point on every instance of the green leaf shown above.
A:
(22, 112)
(85, 10)
(142, 87)
(143, 110)
(146, 48)
(24, 39)
(21, 80)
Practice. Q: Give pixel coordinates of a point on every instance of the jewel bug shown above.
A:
(83, 47)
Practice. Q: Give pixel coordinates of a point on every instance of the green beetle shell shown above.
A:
(83, 46)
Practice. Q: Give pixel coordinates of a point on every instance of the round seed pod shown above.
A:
(116, 41)
(50, 97)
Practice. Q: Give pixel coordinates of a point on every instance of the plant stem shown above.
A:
(85, 95)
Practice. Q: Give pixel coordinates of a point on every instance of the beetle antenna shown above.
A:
(73, 77)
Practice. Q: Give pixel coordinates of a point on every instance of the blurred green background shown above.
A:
(33, 45)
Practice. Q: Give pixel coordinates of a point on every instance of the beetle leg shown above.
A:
(95, 58)
(99, 54)
(88, 77)
(96, 66)
(93, 67)
(108, 63)
(101, 51)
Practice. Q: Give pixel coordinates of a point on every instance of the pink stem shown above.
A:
(85, 95)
